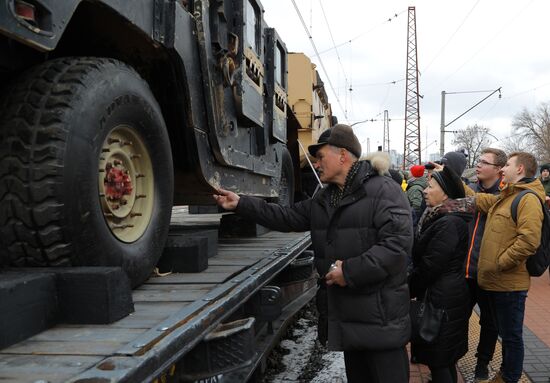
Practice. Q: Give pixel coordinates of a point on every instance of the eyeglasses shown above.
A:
(484, 163)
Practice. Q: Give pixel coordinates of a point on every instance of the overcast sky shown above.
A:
(466, 45)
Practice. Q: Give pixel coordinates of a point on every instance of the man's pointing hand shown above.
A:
(226, 199)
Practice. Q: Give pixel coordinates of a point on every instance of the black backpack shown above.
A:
(538, 262)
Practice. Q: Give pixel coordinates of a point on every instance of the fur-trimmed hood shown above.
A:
(380, 162)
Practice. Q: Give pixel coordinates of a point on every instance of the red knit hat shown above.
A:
(417, 171)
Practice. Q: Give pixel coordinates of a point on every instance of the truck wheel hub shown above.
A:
(126, 184)
(118, 184)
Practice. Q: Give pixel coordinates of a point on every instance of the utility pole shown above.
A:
(444, 125)
(386, 141)
(411, 145)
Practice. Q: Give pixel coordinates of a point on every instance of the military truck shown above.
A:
(113, 111)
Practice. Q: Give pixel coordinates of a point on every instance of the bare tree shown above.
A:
(535, 128)
(515, 143)
(474, 139)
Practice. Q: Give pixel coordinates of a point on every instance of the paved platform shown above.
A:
(536, 336)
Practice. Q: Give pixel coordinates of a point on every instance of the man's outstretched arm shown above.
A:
(271, 215)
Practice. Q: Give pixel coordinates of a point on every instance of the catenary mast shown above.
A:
(411, 152)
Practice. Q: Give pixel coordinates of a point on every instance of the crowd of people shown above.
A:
(380, 241)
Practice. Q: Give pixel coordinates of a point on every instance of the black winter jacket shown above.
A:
(438, 258)
(371, 232)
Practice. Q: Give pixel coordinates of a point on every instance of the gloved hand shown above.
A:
(464, 205)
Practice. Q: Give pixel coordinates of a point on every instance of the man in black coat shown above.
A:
(361, 231)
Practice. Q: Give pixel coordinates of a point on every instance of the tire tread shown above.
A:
(32, 146)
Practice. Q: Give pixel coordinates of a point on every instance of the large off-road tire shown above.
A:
(85, 168)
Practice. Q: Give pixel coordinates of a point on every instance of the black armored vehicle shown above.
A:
(113, 111)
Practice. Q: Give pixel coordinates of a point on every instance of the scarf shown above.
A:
(429, 215)
(337, 193)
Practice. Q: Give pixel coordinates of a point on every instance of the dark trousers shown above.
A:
(488, 331)
(386, 366)
(444, 374)
(508, 309)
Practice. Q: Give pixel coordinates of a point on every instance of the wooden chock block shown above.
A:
(232, 225)
(28, 305)
(192, 232)
(205, 209)
(93, 295)
(184, 254)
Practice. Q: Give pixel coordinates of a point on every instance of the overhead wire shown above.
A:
(527, 91)
(351, 76)
(347, 82)
(332, 39)
(450, 38)
(394, 82)
(471, 91)
(516, 15)
(513, 96)
(311, 17)
(356, 122)
(490, 109)
(388, 90)
(395, 15)
(319, 58)
(473, 106)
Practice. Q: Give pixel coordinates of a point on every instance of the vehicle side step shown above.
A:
(228, 348)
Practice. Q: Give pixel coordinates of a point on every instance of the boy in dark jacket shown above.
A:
(489, 177)
(361, 233)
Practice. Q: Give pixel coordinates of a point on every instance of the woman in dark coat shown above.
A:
(439, 251)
